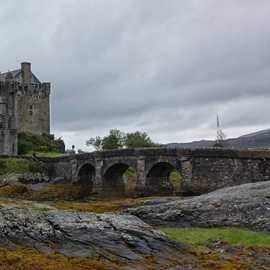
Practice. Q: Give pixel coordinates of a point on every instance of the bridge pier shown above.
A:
(141, 177)
(74, 165)
(186, 171)
(98, 183)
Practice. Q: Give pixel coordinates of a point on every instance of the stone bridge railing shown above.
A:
(202, 170)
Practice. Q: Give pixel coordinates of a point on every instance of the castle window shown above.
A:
(31, 110)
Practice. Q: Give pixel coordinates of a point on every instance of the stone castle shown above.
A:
(24, 107)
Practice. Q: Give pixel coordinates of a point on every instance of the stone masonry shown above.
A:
(202, 170)
(24, 107)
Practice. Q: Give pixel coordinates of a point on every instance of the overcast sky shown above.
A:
(166, 67)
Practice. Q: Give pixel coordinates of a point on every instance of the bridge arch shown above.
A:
(86, 175)
(115, 182)
(158, 178)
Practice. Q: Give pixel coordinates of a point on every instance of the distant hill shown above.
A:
(259, 139)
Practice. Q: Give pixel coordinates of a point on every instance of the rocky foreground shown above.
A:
(91, 241)
(110, 237)
(246, 206)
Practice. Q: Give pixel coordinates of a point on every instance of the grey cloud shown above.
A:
(163, 66)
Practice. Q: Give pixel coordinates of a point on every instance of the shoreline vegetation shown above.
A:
(18, 166)
(233, 236)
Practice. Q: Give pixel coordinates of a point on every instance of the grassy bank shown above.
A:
(233, 236)
(18, 166)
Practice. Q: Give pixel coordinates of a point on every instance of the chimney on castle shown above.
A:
(26, 72)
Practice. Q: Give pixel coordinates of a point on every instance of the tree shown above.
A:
(138, 139)
(95, 142)
(117, 140)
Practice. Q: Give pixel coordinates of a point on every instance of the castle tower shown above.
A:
(32, 103)
(24, 106)
(8, 132)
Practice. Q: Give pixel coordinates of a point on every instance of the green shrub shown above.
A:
(29, 143)
(176, 180)
(18, 166)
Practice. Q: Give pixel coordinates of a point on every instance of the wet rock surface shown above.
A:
(121, 238)
(246, 206)
(160, 200)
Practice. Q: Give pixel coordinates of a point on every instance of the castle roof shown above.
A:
(17, 76)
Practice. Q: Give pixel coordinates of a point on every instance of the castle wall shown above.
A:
(8, 132)
(8, 142)
(33, 110)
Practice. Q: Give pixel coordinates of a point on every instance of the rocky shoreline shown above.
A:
(244, 206)
(126, 240)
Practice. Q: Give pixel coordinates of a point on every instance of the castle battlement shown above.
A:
(26, 88)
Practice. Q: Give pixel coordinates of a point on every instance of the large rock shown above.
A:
(112, 237)
(25, 178)
(242, 206)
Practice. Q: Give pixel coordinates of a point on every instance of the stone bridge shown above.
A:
(202, 170)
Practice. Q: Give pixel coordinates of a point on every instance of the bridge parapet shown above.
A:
(202, 170)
